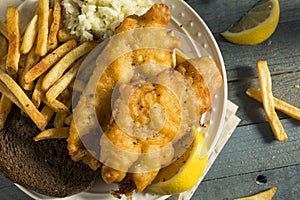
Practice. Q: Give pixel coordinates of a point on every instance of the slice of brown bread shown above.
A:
(44, 166)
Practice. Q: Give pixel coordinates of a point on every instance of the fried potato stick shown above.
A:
(55, 25)
(56, 106)
(268, 102)
(280, 105)
(38, 94)
(31, 60)
(3, 46)
(59, 119)
(6, 92)
(29, 35)
(63, 64)
(5, 107)
(266, 195)
(43, 29)
(3, 29)
(53, 133)
(13, 32)
(68, 120)
(60, 85)
(47, 112)
(64, 36)
(26, 103)
(49, 60)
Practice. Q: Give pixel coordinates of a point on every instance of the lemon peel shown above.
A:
(185, 172)
(256, 26)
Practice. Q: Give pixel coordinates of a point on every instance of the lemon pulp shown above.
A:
(185, 172)
(257, 25)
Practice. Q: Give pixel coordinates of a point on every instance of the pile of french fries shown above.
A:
(271, 103)
(38, 68)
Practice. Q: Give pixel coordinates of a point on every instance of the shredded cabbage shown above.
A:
(99, 18)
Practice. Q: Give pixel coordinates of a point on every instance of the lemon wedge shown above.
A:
(257, 25)
(185, 172)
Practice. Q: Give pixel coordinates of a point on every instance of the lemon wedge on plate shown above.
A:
(185, 172)
(257, 25)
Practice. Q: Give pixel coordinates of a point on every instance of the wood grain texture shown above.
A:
(286, 180)
(252, 150)
(284, 87)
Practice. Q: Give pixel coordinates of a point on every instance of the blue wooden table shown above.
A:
(252, 160)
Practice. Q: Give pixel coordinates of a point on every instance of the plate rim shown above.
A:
(221, 65)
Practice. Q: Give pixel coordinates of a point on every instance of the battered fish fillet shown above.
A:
(158, 16)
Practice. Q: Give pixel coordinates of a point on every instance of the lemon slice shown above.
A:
(185, 172)
(257, 25)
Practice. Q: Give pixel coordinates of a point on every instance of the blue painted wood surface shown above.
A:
(252, 149)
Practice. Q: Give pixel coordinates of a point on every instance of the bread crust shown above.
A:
(45, 166)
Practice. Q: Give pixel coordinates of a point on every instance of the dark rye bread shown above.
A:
(44, 166)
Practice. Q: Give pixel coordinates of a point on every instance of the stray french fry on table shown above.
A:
(280, 105)
(266, 195)
(265, 83)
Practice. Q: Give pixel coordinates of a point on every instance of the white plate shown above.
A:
(187, 21)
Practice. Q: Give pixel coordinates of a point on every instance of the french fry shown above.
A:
(63, 82)
(26, 103)
(5, 107)
(53, 133)
(3, 46)
(38, 94)
(64, 36)
(268, 102)
(63, 64)
(43, 29)
(47, 112)
(31, 60)
(6, 92)
(21, 66)
(55, 25)
(56, 106)
(13, 32)
(49, 60)
(266, 195)
(3, 29)
(280, 105)
(29, 35)
(59, 119)
(68, 120)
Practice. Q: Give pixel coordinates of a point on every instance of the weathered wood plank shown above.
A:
(282, 50)
(285, 179)
(254, 148)
(284, 86)
(220, 14)
(9, 191)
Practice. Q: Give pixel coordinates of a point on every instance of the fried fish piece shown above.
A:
(160, 14)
